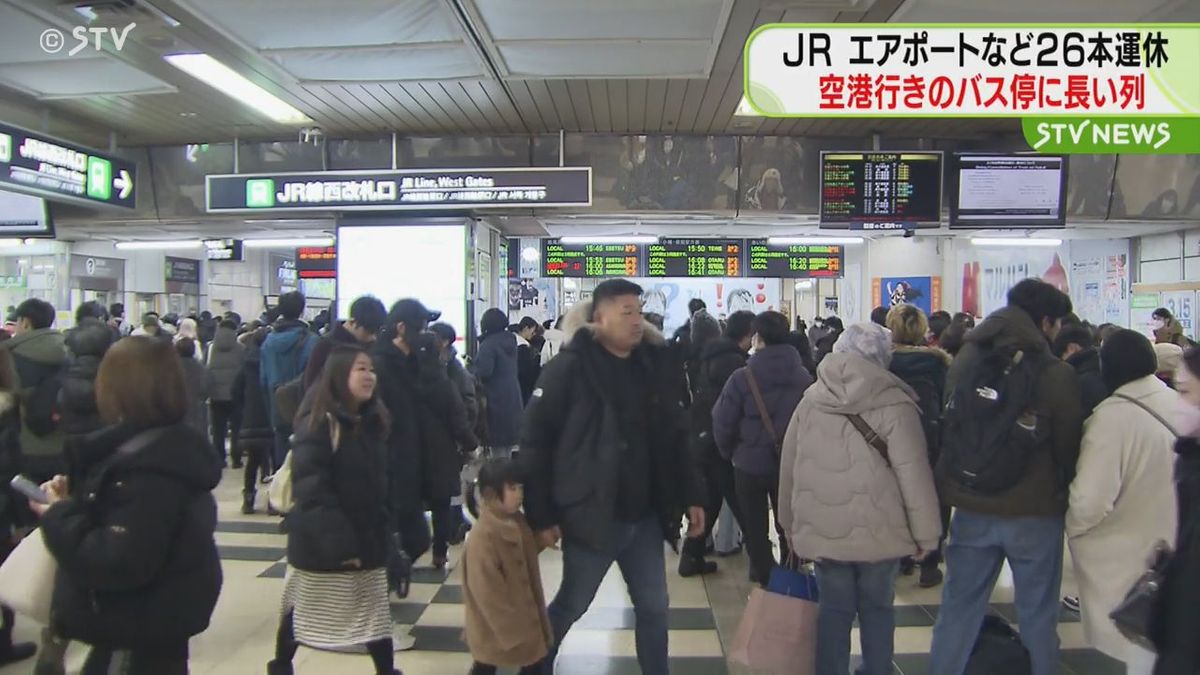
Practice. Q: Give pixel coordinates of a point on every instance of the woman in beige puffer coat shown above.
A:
(850, 508)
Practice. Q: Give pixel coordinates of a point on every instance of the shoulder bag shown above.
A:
(763, 412)
(280, 494)
(871, 437)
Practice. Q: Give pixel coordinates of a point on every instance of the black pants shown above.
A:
(382, 654)
(414, 534)
(258, 454)
(759, 497)
(444, 524)
(484, 669)
(166, 661)
(220, 415)
(721, 488)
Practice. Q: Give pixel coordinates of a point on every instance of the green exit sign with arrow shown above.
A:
(49, 167)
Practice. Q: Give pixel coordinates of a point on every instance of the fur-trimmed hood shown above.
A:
(935, 351)
(580, 318)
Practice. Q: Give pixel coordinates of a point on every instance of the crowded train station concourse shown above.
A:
(599, 337)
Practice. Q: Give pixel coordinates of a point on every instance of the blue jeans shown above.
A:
(637, 548)
(865, 590)
(979, 545)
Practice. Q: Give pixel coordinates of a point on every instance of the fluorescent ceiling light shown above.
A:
(630, 239)
(295, 242)
(158, 245)
(530, 254)
(1013, 241)
(813, 241)
(223, 78)
(744, 109)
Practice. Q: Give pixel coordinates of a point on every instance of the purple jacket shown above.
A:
(738, 428)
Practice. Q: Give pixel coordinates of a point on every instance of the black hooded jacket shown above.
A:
(138, 564)
(718, 361)
(87, 344)
(1087, 366)
(573, 444)
(1178, 648)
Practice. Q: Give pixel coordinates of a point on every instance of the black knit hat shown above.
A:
(1126, 356)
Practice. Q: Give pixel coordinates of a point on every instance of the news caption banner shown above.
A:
(1088, 88)
(399, 190)
(48, 167)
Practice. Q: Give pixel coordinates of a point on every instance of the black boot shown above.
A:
(248, 497)
(9, 652)
(280, 668)
(690, 567)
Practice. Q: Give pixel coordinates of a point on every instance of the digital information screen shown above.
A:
(24, 216)
(1009, 191)
(875, 186)
(316, 262)
(591, 260)
(409, 189)
(795, 261)
(695, 258)
(224, 249)
(47, 167)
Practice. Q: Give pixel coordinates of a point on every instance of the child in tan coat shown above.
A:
(506, 621)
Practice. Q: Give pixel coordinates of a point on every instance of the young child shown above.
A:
(506, 621)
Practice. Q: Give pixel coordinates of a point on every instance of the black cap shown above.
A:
(411, 311)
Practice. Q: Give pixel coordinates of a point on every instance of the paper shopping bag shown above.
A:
(777, 634)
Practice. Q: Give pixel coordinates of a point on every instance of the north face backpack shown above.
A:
(990, 427)
(998, 649)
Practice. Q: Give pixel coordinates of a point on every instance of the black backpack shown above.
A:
(998, 650)
(990, 427)
(40, 408)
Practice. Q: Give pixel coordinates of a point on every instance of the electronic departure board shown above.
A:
(875, 186)
(798, 261)
(695, 258)
(591, 260)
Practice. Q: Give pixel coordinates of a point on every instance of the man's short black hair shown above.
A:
(116, 310)
(740, 325)
(963, 318)
(1039, 300)
(695, 305)
(444, 331)
(835, 324)
(291, 305)
(1163, 313)
(1073, 334)
(39, 312)
(772, 328)
(614, 288)
(90, 310)
(368, 313)
(226, 323)
(938, 323)
(205, 315)
(879, 316)
(527, 322)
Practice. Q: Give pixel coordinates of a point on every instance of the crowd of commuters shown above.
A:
(857, 448)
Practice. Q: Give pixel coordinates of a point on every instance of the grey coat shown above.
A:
(226, 357)
(496, 367)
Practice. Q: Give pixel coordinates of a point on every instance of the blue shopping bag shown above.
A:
(793, 584)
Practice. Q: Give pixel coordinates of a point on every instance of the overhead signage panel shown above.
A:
(402, 190)
(47, 167)
(230, 250)
(591, 260)
(796, 261)
(695, 258)
(316, 262)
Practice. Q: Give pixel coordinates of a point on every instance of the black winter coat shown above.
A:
(340, 520)
(12, 506)
(226, 357)
(248, 397)
(87, 345)
(720, 359)
(1087, 366)
(1179, 653)
(138, 565)
(572, 444)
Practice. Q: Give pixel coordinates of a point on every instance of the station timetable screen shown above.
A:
(796, 261)
(591, 260)
(875, 186)
(1009, 191)
(695, 258)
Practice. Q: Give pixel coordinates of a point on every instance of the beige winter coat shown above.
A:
(1122, 502)
(839, 500)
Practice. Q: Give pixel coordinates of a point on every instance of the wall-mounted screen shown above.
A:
(795, 261)
(695, 258)
(229, 250)
(880, 186)
(391, 262)
(24, 216)
(1001, 191)
(316, 262)
(591, 260)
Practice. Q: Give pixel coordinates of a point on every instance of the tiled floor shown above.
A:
(703, 618)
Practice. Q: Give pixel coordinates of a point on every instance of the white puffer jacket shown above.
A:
(839, 500)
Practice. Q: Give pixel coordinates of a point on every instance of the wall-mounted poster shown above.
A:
(1141, 312)
(988, 273)
(535, 298)
(1099, 280)
(923, 292)
(669, 297)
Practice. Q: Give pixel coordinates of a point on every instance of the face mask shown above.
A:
(1187, 419)
(1158, 324)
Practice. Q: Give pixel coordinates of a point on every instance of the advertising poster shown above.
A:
(923, 292)
(669, 297)
(988, 273)
(1099, 276)
(535, 298)
(1182, 306)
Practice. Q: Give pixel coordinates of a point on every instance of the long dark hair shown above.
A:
(1191, 361)
(493, 321)
(332, 395)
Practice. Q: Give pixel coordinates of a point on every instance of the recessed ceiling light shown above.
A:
(187, 114)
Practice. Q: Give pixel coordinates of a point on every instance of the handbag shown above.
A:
(778, 633)
(27, 578)
(793, 582)
(763, 412)
(871, 437)
(1136, 617)
(279, 496)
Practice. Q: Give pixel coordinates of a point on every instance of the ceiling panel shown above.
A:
(384, 64)
(81, 76)
(600, 19)
(606, 59)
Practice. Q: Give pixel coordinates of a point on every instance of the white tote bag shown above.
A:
(27, 578)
